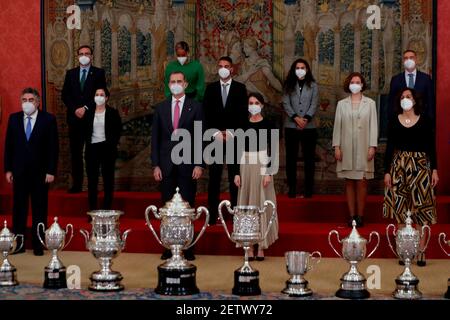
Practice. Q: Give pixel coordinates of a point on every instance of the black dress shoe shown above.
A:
(400, 262)
(350, 222)
(258, 258)
(74, 190)
(359, 221)
(189, 255)
(167, 254)
(421, 262)
(38, 252)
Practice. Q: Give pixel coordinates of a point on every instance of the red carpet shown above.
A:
(304, 223)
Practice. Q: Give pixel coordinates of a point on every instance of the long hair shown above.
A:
(291, 78)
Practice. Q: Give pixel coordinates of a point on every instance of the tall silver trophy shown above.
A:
(297, 264)
(176, 276)
(55, 240)
(407, 242)
(105, 243)
(353, 283)
(8, 245)
(443, 242)
(246, 233)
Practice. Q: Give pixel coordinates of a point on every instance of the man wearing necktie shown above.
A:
(31, 157)
(414, 79)
(78, 94)
(178, 112)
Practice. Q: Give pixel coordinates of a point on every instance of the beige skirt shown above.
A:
(253, 193)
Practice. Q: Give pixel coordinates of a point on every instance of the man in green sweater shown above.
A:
(192, 69)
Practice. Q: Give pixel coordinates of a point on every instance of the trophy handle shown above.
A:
(39, 234)
(21, 242)
(331, 244)
(316, 260)
(426, 227)
(272, 218)
(149, 224)
(199, 212)
(85, 235)
(442, 240)
(69, 226)
(378, 242)
(389, 240)
(124, 238)
(227, 204)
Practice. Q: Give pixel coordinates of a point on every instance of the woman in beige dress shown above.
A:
(253, 176)
(355, 137)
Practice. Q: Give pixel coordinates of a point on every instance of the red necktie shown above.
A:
(176, 115)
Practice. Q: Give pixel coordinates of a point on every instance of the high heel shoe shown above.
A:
(421, 262)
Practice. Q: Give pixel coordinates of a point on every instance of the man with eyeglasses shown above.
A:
(78, 94)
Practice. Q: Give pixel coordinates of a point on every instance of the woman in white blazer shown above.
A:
(355, 137)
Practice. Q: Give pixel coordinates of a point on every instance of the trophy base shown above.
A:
(106, 282)
(246, 283)
(55, 279)
(8, 278)
(297, 289)
(352, 294)
(177, 282)
(407, 290)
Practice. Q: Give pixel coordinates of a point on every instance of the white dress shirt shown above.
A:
(33, 120)
(98, 132)
(181, 104)
(407, 76)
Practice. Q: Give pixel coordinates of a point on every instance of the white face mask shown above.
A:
(28, 108)
(409, 64)
(406, 104)
(254, 109)
(224, 73)
(84, 60)
(176, 89)
(99, 100)
(182, 60)
(355, 88)
(300, 73)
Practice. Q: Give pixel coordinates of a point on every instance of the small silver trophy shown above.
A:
(55, 236)
(105, 243)
(407, 242)
(8, 245)
(353, 283)
(246, 233)
(297, 264)
(176, 276)
(442, 243)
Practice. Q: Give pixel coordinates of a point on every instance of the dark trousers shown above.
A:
(215, 178)
(26, 186)
(181, 179)
(100, 156)
(308, 139)
(76, 141)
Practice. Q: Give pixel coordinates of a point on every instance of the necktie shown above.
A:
(83, 79)
(176, 115)
(411, 80)
(224, 94)
(28, 129)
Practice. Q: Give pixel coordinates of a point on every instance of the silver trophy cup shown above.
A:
(297, 264)
(105, 243)
(8, 245)
(443, 242)
(176, 276)
(353, 283)
(246, 233)
(407, 242)
(55, 240)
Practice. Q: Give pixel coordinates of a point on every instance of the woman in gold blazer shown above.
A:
(355, 136)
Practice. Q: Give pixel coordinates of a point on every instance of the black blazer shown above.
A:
(40, 154)
(423, 86)
(235, 113)
(74, 98)
(113, 126)
(162, 128)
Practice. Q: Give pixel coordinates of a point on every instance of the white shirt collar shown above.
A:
(225, 82)
(181, 100)
(414, 72)
(33, 115)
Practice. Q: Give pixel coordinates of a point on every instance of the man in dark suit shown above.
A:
(415, 79)
(174, 117)
(225, 105)
(31, 157)
(78, 93)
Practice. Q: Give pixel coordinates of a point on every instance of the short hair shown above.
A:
(409, 50)
(83, 47)
(182, 45)
(177, 72)
(105, 89)
(418, 106)
(226, 58)
(256, 95)
(33, 91)
(349, 79)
